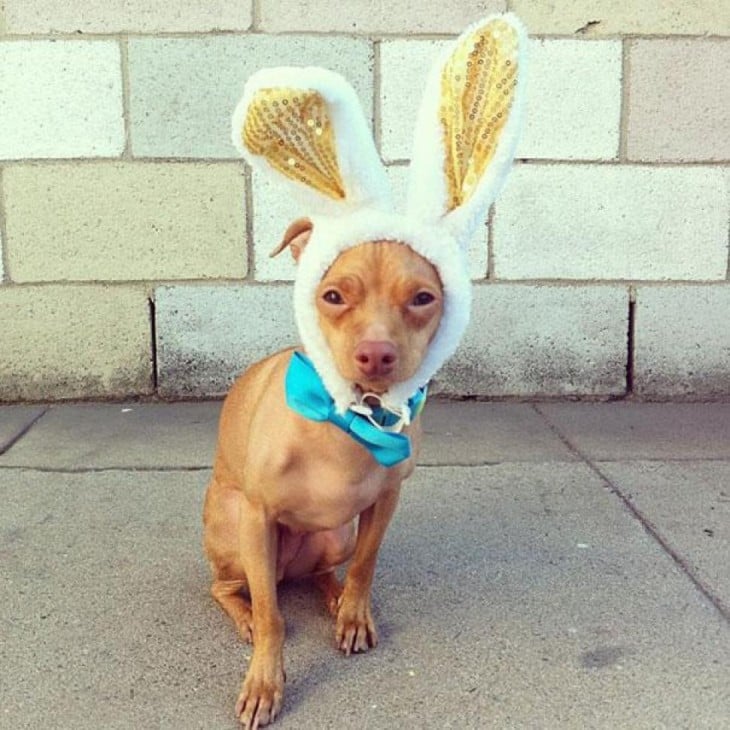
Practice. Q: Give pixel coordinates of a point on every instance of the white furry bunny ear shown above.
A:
(468, 126)
(306, 126)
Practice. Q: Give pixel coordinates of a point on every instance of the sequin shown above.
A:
(292, 129)
(475, 103)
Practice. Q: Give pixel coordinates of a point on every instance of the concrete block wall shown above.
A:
(133, 241)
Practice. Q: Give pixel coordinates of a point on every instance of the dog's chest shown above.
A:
(321, 497)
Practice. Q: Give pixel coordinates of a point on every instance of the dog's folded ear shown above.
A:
(296, 237)
(306, 127)
(468, 126)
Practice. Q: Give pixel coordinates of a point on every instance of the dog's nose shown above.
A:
(375, 359)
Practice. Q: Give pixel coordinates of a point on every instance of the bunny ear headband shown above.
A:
(306, 127)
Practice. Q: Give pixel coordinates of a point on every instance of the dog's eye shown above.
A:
(422, 299)
(332, 296)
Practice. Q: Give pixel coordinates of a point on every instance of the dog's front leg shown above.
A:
(355, 629)
(263, 688)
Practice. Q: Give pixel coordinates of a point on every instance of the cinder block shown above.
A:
(75, 341)
(184, 90)
(60, 99)
(573, 100)
(682, 345)
(207, 335)
(679, 100)
(537, 341)
(114, 16)
(573, 97)
(125, 221)
(611, 222)
(274, 209)
(404, 69)
(356, 16)
(610, 17)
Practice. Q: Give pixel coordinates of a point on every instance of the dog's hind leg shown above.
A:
(228, 595)
(331, 589)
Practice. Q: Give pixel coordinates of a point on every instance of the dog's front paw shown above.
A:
(355, 629)
(261, 696)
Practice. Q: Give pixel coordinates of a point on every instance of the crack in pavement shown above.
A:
(643, 520)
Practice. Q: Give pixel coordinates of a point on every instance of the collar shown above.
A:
(376, 428)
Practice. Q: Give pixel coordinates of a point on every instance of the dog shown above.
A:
(316, 441)
(293, 498)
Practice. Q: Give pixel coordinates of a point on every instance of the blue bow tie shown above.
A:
(307, 396)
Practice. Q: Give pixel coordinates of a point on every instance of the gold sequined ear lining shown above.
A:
(292, 130)
(477, 90)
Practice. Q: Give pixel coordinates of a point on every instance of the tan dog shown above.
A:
(308, 444)
(287, 492)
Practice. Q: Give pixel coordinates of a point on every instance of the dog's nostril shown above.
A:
(388, 358)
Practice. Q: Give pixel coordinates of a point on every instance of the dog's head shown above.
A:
(379, 305)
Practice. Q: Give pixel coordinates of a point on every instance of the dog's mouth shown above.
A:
(376, 387)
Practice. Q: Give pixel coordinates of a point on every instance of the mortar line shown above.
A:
(128, 399)
(228, 281)
(23, 431)
(71, 36)
(249, 213)
(398, 162)
(140, 160)
(623, 128)
(126, 89)
(651, 529)
(601, 162)
(491, 275)
(617, 283)
(631, 342)
(153, 339)
(5, 278)
(233, 281)
(255, 15)
(727, 277)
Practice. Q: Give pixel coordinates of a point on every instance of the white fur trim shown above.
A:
(330, 237)
(427, 194)
(362, 172)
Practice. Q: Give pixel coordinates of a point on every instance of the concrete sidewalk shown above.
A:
(550, 566)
